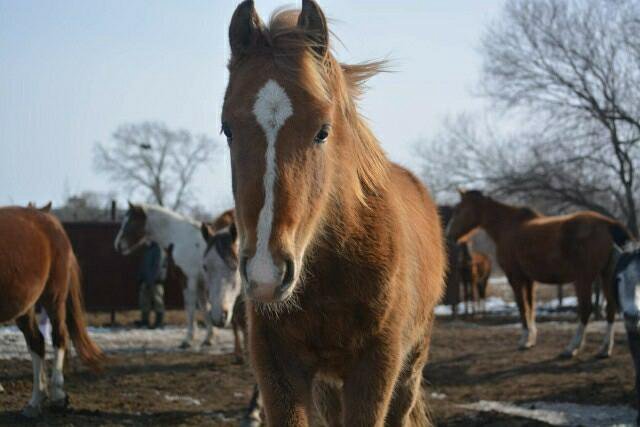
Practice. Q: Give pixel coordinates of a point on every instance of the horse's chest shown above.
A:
(329, 335)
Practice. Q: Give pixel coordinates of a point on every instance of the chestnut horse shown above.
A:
(341, 251)
(37, 265)
(549, 249)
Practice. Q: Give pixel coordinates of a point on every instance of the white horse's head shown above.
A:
(627, 279)
(221, 274)
(132, 232)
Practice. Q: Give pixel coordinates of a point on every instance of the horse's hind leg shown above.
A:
(35, 341)
(523, 292)
(56, 309)
(583, 292)
(607, 289)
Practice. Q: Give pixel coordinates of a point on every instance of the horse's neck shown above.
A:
(497, 217)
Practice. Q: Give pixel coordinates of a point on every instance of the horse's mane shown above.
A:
(527, 213)
(521, 212)
(325, 79)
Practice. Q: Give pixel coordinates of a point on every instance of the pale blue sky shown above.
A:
(72, 71)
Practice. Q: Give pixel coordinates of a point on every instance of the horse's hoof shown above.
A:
(185, 345)
(526, 346)
(1, 389)
(568, 354)
(31, 411)
(603, 355)
(206, 343)
(250, 422)
(60, 405)
(238, 360)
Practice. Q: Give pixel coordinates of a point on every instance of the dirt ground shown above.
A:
(471, 360)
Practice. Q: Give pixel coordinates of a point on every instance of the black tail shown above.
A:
(619, 233)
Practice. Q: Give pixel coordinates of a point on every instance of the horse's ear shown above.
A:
(461, 191)
(46, 208)
(246, 28)
(131, 205)
(206, 231)
(233, 231)
(138, 210)
(314, 25)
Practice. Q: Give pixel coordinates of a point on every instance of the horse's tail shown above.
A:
(620, 234)
(88, 351)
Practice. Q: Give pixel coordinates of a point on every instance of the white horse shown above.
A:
(144, 223)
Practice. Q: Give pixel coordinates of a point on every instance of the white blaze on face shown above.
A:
(272, 108)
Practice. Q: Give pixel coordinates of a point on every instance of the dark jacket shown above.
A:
(152, 266)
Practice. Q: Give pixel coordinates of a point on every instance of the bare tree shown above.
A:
(574, 65)
(156, 160)
(535, 168)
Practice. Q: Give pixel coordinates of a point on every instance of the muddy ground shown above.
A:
(471, 360)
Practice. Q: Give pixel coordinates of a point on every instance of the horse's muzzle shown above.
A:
(273, 291)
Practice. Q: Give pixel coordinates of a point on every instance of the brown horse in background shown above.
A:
(549, 249)
(341, 252)
(37, 265)
(452, 276)
(475, 270)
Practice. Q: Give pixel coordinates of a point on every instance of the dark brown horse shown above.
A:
(548, 249)
(341, 252)
(37, 265)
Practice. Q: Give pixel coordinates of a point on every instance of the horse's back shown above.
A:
(28, 248)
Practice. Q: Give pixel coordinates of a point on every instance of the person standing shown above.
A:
(151, 277)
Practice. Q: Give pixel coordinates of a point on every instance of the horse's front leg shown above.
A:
(205, 307)
(368, 388)
(632, 325)
(189, 294)
(284, 384)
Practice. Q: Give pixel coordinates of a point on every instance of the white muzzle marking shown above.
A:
(272, 108)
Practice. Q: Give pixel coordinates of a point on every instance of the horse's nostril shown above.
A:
(289, 273)
(243, 268)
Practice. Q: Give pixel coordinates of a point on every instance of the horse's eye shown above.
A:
(227, 132)
(322, 135)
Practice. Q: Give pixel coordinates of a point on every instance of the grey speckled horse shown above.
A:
(628, 288)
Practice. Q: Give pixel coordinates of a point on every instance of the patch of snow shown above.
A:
(119, 340)
(183, 399)
(438, 396)
(496, 305)
(561, 414)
